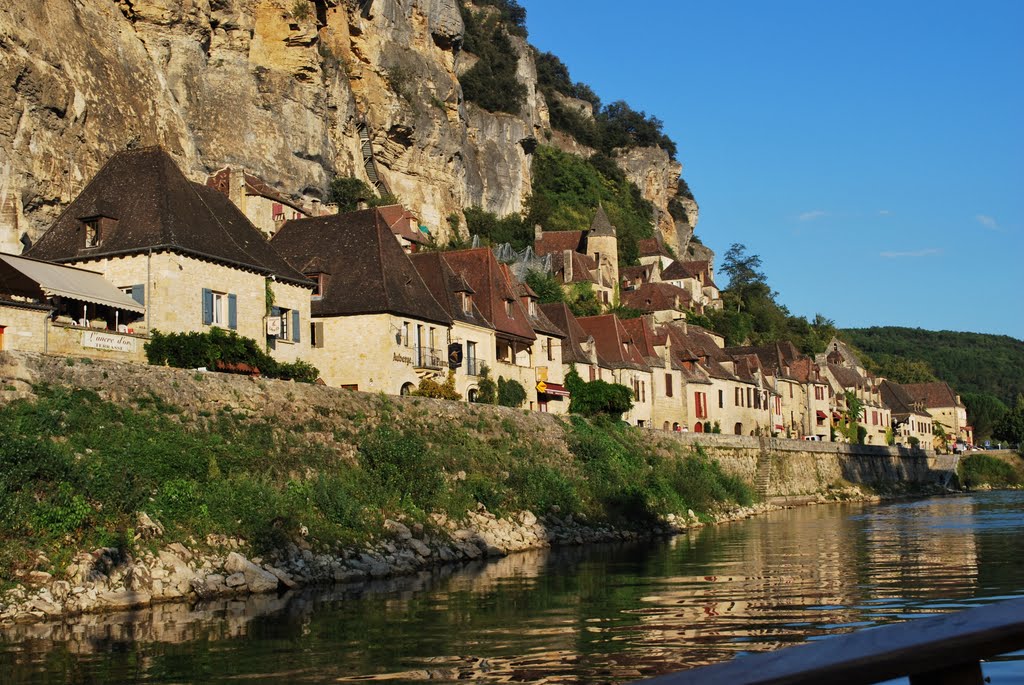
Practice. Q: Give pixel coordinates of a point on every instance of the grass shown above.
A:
(985, 469)
(75, 469)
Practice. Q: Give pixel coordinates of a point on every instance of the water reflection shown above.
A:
(611, 613)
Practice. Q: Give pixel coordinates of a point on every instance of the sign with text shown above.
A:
(108, 341)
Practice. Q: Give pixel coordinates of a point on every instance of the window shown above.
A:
(790, 391)
(318, 289)
(750, 397)
(593, 373)
(289, 327)
(668, 385)
(316, 333)
(721, 399)
(739, 397)
(467, 304)
(532, 307)
(472, 365)
(643, 391)
(551, 351)
(510, 309)
(700, 404)
(92, 232)
(220, 309)
(136, 292)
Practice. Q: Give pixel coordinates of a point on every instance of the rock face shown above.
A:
(283, 88)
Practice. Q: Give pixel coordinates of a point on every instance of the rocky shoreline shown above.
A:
(109, 580)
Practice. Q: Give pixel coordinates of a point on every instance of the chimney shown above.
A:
(567, 265)
(315, 211)
(684, 327)
(236, 187)
(538, 231)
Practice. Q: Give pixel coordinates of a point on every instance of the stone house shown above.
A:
(910, 418)
(183, 251)
(515, 342)
(376, 326)
(624, 359)
(585, 256)
(668, 388)
(945, 407)
(876, 415)
(579, 351)
(265, 207)
(55, 309)
(664, 301)
(695, 277)
(471, 332)
(547, 358)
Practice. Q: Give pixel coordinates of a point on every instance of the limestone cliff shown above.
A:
(284, 88)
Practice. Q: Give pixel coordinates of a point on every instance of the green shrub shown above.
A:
(597, 397)
(403, 468)
(347, 192)
(984, 469)
(428, 387)
(510, 393)
(197, 350)
(492, 82)
(487, 390)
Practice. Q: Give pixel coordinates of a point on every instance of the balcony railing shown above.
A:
(474, 366)
(430, 358)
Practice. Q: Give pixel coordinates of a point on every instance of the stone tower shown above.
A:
(603, 247)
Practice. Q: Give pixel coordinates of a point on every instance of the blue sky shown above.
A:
(872, 153)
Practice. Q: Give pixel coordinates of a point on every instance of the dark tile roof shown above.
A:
(847, 377)
(601, 225)
(933, 395)
(558, 241)
(484, 274)
(637, 274)
(573, 351)
(901, 402)
(156, 207)
(696, 345)
(677, 271)
(447, 286)
(614, 343)
(369, 271)
(656, 297)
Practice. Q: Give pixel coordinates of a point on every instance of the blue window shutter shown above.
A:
(139, 294)
(207, 306)
(295, 325)
(232, 311)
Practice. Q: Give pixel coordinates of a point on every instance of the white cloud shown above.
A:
(987, 221)
(812, 215)
(929, 252)
(884, 212)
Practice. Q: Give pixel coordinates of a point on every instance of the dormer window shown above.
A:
(318, 279)
(510, 309)
(92, 232)
(467, 304)
(532, 308)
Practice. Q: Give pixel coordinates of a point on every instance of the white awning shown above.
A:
(76, 284)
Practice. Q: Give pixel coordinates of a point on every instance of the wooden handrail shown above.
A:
(943, 649)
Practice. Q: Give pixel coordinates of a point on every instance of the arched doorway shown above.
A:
(738, 429)
(664, 427)
(407, 389)
(473, 395)
(698, 427)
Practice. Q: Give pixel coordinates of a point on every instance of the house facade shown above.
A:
(183, 251)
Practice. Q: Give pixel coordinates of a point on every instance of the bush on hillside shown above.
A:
(347, 192)
(492, 82)
(984, 469)
(195, 350)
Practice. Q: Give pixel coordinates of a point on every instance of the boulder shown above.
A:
(258, 579)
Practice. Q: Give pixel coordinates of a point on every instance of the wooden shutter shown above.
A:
(232, 311)
(139, 294)
(207, 306)
(295, 326)
(317, 331)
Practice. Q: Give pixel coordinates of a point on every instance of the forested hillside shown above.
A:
(969, 362)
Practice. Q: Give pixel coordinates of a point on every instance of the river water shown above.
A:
(611, 613)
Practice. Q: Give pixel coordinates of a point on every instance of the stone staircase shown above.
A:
(763, 475)
(369, 164)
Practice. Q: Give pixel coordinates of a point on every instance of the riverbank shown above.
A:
(257, 486)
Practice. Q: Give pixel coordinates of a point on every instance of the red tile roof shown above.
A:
(614, 343)
(573, 351)
(657, 297)
(485, 275)
(651, 247)
(558, 241)
(934, 395)
(645, 339)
